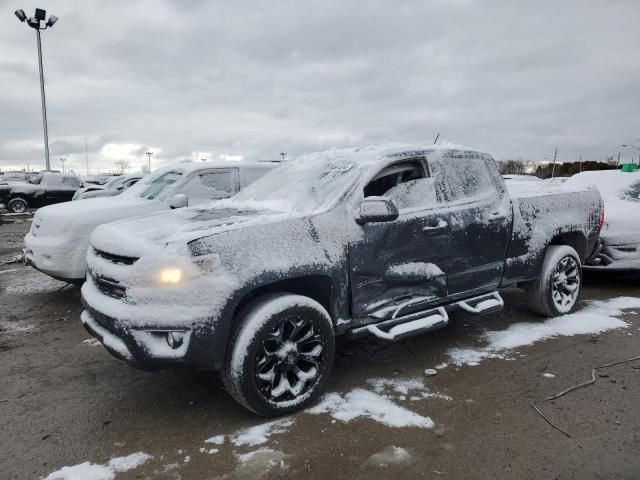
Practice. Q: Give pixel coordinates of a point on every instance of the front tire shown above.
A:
(555, 292)
(281, 354)
(17, 205)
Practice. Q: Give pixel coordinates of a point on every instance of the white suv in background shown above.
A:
(59, 236)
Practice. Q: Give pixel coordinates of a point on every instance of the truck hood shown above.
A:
(175, 229)
(72, 218)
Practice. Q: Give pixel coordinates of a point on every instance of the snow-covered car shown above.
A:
(370, 241)
(59, 236)
(620, 237)
(47, 189)
(109, 189)
(14, 177)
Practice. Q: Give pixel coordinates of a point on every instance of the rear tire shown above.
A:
(555, 292)
(17, 205)
(280, 354)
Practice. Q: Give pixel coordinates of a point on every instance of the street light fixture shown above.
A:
(35, 22)
(62, 160)
(149, 155)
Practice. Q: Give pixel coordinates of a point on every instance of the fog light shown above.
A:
(175, 339)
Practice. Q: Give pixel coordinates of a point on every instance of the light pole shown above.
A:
(283, 155)
(35, 22)
(62, 160)
(633, 146)
(149, 155)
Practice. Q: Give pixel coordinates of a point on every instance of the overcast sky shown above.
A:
(204, 79)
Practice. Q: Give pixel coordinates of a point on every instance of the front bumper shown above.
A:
(146, 349)
(61, 260)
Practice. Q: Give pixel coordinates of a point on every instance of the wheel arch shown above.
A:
(317, 287)
(575, 239)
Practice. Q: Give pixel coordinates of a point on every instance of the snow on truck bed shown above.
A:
(540, 189)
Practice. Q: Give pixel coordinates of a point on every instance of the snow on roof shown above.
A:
(188, 167)
(373, 153)
(610, 182)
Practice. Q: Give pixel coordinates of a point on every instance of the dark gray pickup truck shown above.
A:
(47, 189)
(378, 241)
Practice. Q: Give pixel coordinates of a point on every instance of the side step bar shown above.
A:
(402, 327)
(483, 304)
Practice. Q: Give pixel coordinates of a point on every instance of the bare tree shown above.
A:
(121, 166)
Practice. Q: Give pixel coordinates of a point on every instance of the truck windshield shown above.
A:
(303, 186)
(157, 186)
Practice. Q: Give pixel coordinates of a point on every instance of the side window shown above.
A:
(212, 184)
(462, 175)
(394, 175)
(222, 181)
(71, 182)
(406, 184)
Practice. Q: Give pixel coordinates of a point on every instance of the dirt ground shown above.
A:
(64, 401)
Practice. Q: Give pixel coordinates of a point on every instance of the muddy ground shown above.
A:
(64, 401)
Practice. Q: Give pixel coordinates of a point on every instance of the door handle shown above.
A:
(440, 225)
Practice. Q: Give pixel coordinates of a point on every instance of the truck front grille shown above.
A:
(109, 286)
(113, 258)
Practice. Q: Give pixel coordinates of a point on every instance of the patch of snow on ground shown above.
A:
(398, 388)
(548, 375)
(362, 403)
(390, 455)
(92, 471)
(597, 317)
(217, 440)
(258, 463)
(260, 433)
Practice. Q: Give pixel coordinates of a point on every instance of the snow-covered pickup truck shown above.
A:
(373, 241)
(59, 237)
(48, 189)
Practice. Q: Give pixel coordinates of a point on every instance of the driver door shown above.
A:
(401, 263)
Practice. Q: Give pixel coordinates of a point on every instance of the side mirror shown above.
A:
(179, 200)
(377, 209)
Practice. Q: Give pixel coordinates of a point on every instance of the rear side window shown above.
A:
(71, 182)
(222, 181)
(462, 175)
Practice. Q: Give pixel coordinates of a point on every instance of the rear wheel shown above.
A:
(556, 290)
(17, 205)
(281, 354)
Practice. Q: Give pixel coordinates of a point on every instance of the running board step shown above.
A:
(402, 327)
(483, 304)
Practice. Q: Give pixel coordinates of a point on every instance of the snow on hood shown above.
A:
(89, 213)
(139, 236)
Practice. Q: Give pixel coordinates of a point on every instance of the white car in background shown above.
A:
(59, 237)
(109, 189)
(620, 235)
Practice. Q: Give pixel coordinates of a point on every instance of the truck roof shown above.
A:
(374, 153)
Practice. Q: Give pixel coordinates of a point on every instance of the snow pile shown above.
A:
(260, 433)
(597, 317)
(362, 403)
(92, 471)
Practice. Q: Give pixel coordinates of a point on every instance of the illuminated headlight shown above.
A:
(170, 276)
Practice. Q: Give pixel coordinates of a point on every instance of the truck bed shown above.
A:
(544, 213)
